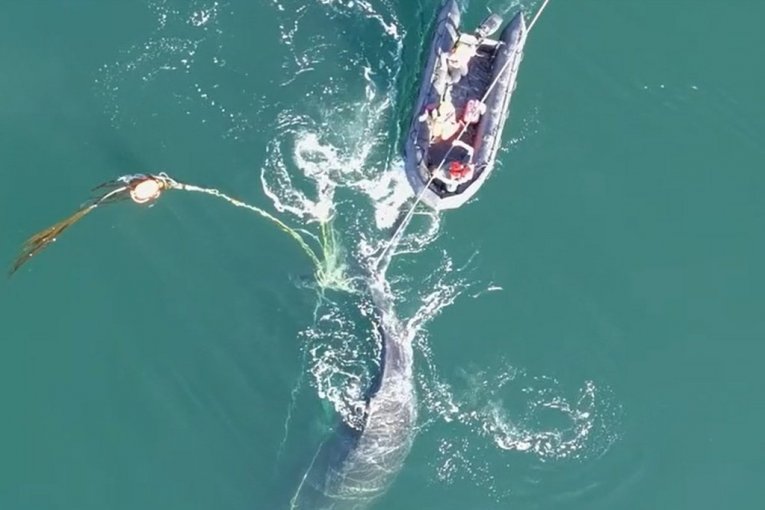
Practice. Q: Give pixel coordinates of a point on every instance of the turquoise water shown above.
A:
(590, 327)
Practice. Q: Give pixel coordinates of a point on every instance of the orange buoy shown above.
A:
(146, 191)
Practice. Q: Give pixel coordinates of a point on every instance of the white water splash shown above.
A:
(389, 192)
(515, 412)
(343, 354)
(204, 16)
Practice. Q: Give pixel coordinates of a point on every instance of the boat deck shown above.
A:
(443, 189)
(472, 86)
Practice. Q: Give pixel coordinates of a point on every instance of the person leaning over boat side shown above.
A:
(441, 120)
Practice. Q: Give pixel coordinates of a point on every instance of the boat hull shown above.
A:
(487, 137)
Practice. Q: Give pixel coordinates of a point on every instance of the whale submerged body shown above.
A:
(355, 467)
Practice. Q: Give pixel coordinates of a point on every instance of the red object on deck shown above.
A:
(457, 169)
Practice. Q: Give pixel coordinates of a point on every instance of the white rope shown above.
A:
(173, 184)
(536, 17)
(394, 239)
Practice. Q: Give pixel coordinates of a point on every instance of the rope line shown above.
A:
(238, 203)
(330, 270)
(536, 17)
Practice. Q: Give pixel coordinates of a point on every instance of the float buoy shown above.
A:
(146, 191)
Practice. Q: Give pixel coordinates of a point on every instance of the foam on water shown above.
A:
(543, 424)
(329, 147)
(343, 355)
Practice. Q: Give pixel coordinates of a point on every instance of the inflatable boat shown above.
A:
(462, 106)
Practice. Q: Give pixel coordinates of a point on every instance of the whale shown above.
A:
(355, 466)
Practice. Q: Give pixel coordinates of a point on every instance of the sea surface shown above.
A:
(589, 330)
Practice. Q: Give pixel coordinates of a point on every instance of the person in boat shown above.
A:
(459, 57)
(442, 120)
(461, 167)
(474, 108)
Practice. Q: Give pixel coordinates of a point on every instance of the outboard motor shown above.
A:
(489, 26)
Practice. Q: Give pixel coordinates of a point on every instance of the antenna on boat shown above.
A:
(402, 226)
